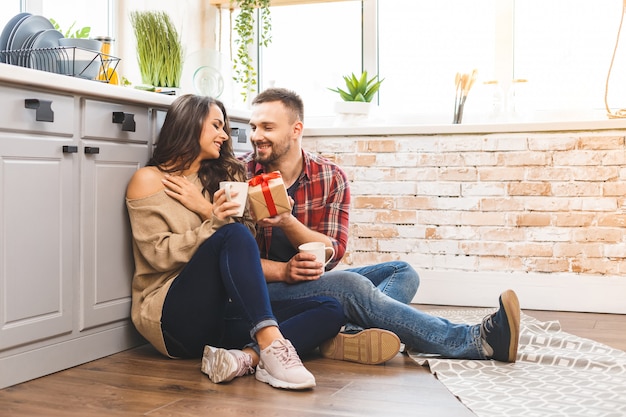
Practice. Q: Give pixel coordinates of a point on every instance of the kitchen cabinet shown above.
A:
(105, 248)
(36, 219)
(115, 140)
(66, 262)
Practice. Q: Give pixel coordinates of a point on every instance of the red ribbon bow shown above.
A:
(263, 180)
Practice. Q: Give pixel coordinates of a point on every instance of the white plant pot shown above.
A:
(351, 113)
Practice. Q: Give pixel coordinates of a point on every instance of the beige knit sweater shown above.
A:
(165, 236)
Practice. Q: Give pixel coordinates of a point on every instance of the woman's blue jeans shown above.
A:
(377, 296)
(220, 299)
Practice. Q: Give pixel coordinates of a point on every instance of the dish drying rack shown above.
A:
(66, 60)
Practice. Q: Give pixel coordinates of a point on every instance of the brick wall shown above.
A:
(505, 202)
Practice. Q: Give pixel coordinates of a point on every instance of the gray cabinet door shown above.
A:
(37, 223)
(106, 252)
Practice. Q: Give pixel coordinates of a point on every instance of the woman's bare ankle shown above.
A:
(253, 355)
(267, 335)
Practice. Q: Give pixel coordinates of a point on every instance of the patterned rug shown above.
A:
(556, 374)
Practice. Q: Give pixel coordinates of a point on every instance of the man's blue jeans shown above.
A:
(377, 296)
(396, 279)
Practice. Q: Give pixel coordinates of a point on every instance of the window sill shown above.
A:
(312, 129)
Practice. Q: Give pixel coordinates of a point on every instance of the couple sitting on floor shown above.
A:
(204, 286)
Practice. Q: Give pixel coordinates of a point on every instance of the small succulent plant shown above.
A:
(359, 89)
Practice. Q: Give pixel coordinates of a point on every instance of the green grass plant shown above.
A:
(159, 49)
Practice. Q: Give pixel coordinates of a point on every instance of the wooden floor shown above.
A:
(141, 382)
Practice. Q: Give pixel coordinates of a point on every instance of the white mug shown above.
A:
(236, 191)
(319, 250)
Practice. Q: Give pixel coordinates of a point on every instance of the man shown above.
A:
(375, 297)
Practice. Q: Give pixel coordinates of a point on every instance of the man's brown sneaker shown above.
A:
(370, 346)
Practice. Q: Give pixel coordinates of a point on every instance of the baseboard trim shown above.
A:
(45, 360)
(559, 292)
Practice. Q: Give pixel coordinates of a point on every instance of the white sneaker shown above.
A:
(281, 367)
(223, 365)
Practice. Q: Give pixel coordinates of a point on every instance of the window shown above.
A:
(310, 53)
(9, 9)
(94, 14)
(562, 48)
(312, 46)
(66, 12)
(422, 45)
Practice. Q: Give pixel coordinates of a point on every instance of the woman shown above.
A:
(198, 287)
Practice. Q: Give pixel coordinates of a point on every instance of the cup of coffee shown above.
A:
(319, 250)
(236, 191)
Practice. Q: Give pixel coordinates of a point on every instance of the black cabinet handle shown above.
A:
(127, 120)
(92, 150)
(70, 149)
(43, 109)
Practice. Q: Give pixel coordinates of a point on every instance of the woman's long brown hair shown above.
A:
(178, 144)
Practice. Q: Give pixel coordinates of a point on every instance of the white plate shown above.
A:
(46, 53)
(6, 32)
(12, 35)
(23, 57)
(47, 39)
(30, 25)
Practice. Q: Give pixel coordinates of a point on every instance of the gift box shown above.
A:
(267, 195)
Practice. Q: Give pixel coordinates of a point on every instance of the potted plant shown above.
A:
(357, 96)
(82, 33)
(159, 49)
(243, 63)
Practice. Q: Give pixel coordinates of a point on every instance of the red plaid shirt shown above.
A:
(322, 201)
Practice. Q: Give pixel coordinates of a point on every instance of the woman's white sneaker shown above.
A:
(281, 367)
(223, 365)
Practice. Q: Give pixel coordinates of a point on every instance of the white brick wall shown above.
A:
(503, 203)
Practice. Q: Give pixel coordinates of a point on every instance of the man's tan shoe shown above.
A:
(370, 346)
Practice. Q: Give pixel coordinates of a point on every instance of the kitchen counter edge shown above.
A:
(30, 78)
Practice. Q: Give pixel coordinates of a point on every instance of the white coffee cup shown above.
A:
(238, 192)
(319, 250)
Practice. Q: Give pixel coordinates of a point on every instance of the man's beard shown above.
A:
(277, 151)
